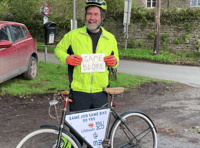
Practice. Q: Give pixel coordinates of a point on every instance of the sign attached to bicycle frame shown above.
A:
(91, 125)
(92, 63)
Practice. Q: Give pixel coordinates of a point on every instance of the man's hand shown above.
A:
(110, 60)
(74, 60)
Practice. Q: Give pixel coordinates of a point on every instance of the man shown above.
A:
(87, 88)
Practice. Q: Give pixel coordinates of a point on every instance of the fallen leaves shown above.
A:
(168, 130)
(193, 129)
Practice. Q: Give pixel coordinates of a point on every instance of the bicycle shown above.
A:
(130, 129)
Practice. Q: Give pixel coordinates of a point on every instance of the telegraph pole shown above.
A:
(73, 21)
(157, 28)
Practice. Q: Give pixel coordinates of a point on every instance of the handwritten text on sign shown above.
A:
(92, 63)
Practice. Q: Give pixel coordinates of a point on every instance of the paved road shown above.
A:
(185, 74)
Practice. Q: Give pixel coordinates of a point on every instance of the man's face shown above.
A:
(93, 19)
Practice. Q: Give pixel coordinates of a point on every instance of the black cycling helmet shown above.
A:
(99, 3)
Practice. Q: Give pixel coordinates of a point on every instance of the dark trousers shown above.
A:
(83, 101)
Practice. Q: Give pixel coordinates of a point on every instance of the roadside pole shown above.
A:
(157, 28)
(73, 21)
(45, 19)
(44, 10)
(126, 21)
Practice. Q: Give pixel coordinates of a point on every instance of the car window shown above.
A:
(25, 31)
(5, 34)
(18, 33)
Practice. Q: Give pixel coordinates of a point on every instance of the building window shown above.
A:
(194, 3)
(150, 4)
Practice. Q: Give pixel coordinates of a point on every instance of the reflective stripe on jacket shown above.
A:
(81, 43)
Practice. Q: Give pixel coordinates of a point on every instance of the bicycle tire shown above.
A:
(45, 138)
(142, 128)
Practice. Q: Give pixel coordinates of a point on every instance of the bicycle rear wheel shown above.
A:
(46, 138)
(138, 132)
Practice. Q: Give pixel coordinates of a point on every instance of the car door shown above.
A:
(19, 43)
(25, 49)
(7, 55)
(2, 56)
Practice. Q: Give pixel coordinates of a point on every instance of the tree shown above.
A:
(4, 8)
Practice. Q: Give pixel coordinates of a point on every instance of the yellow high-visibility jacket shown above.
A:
(79, 42)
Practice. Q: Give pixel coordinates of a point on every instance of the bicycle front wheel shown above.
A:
(138, 132)
(46, 138)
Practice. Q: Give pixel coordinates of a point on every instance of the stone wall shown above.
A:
(138, 33)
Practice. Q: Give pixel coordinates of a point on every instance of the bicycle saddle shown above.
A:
(116, 90)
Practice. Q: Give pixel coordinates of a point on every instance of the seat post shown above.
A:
(111, 99)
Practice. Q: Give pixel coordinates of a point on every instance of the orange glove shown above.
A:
(74, 60)
(110, 60)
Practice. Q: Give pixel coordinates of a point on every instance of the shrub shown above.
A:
(131, 44)
(164, 37)
(140, 43)
(186, 36)
(151, 35)
(178, 40)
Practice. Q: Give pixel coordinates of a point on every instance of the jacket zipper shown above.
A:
(92, 72)
(91, 83)
(92, 50)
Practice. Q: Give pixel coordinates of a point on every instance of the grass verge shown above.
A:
(163, 56)
(53, 77)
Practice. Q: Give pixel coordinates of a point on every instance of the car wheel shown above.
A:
(31, 73)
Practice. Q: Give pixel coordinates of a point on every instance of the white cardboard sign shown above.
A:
(92, 63)
(90, 125)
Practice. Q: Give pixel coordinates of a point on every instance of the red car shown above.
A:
(18, 52)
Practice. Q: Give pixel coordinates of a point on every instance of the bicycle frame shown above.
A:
(106, 140)
(74, 131)
(93, 126)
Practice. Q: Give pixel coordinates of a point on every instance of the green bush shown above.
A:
(186, 36)
(178, 40)
(4, 8)
(165, 45)
(140, 43)
(164, 37)
(146, 54)
(131, 44)
(151, 35)
(198, 44)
